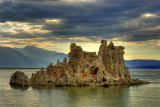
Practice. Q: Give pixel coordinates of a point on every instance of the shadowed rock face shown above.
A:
(83, 68)
(19, 78)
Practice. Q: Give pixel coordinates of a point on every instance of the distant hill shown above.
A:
(41, 55)
(10, 58)
(143, 64)
(29, 56)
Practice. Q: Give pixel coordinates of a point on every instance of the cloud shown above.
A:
(148, 15)
(85, 20)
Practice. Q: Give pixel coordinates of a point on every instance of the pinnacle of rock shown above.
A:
(102, 47)
(65, 60)
(111, 45)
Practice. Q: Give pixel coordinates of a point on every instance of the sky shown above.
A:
(54, 24)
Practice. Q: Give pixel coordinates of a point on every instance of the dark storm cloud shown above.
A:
(19, 35)
(104, 18)
(142, 35)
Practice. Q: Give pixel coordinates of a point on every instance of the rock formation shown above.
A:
(19, 78)
(83, 69)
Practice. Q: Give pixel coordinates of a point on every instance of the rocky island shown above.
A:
(83, 69)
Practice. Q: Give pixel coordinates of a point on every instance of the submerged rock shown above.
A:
(83, 69)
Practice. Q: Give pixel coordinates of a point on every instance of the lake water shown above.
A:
(134, 96)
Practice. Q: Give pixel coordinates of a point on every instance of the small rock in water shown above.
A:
(19, 78)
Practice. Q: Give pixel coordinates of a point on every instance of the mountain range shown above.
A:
(143, 64)
(34, 57)
(28, 57)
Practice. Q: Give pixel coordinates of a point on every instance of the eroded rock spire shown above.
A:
(102, 47)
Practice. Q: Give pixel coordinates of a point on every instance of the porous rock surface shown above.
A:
(83, 69)
(19, 78)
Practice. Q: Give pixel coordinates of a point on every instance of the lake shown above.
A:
(147, 95)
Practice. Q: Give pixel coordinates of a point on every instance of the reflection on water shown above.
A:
(89, 96)
(19, 87)
(40, 96)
